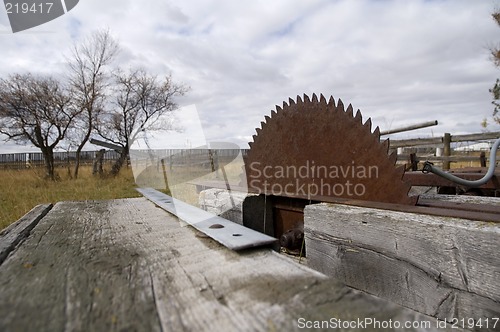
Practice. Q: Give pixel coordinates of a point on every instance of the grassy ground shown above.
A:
(21, 190)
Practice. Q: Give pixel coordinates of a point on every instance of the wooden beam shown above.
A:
(455, 158)
(409, 128)
(444, 267)
(475, 137)
(106, 144)
(415, 142)
(439, 140)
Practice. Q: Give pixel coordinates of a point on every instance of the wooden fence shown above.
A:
(61, 159)
(440, 150)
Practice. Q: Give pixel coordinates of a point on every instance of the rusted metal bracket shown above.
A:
(417, 178)
(226, 232)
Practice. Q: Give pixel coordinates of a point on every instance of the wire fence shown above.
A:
(62, 159)
(456, 149)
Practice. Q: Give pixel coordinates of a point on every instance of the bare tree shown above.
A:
(89, 82)
(140, 100)
(36, 110)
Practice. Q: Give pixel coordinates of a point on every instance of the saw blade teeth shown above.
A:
(306, 99)
(299, 100)
(385, 145)
(273, 113)
(368, 124)
(358, 116)
(254, 137)
(322, 99)
(314, 98)
(258, 130)
(331, 102)
(376, 132)
(267, 118)
(250, 144)
(340, 105)
(349, 111)
(393, 157)
(263, 124)
(400, 170)
(290, 101)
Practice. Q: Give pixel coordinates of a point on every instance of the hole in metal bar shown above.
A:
(237, 234)
(216, 226)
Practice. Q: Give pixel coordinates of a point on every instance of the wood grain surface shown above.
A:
(444, 267)
(126, 265)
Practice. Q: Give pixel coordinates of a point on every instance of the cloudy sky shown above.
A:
(400, 62)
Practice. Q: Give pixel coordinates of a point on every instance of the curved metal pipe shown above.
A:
(429, 167)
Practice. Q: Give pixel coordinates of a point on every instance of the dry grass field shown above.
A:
(21, 190)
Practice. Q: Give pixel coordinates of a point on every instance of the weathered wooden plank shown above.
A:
(106, 144)
(439, 140)
(443, 267)
(125, 265)
(15, 233)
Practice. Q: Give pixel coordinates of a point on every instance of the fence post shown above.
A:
(414, 161)
(97, 165)
(482, 158)
(447, 150)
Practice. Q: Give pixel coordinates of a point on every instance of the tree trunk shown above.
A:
(48, 156)
(80, 148)
(97, 166)
(77, 160)
(115, 169)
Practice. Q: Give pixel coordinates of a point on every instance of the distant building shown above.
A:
(481, 146)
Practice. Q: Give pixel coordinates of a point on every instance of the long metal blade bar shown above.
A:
(232, 235)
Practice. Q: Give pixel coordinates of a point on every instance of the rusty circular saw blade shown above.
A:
(313, 147)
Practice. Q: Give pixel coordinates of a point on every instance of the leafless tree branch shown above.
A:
(89, 83)
(38, 110)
